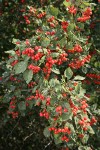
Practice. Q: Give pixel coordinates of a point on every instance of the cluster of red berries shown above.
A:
(60, 130)
(84, 123)
(59, 109)
(51, 19)
(18, 52)
(84, 105)
(81, 135)
(36, 48)
(76, 64)
(72, 10)
(27, 42)
(18, 42)
(48, 101)
(12, 107)
(93, 120)
(49, 63)
(1, 78)
(74, 108)
(12, 78)
(64, 138)
(32, 10)
(12, 103)
(37, 95)
(28, 51)
(97, 82)
(31, 84)
(86, 82)
(51, 33)
(77, 48)
(35, 69)
(62, 58)
(85, 15)
(45, 114)
(37, 56)
(30, 98)
(52, 22)
(22, 1)
(92, 75)
(41, 15)
(14, 63)
(14, 115)
(64, 25)
(52, 25)
(27, 19)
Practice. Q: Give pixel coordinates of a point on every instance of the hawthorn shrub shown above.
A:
(52, 72)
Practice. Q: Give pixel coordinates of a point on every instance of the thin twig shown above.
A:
(13, 128)
(47, 145)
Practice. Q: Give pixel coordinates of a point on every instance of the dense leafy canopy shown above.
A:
(52, 69)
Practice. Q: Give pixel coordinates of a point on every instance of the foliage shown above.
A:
(51, 68)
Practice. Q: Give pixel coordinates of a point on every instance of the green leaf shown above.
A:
(54, 11)
(86, 3)
(66, 116)
(34, 89)
(11, 52)
(42, 60)
(68, 73)
(70, 126)
(71, 27)
(84, 148)
(18, 93)
(31, 104)
(58, 89)
(46, 132)
(84, 69)
(57, 139)
(67, 4)
(79, 78)
(91, 131)
(63, 42)
(45, 42)
(55, 70)
(97, 64)
(54, 55)
(20, 67)
(82, 92)
(14, 41)
(26, 58)
(27, 75)
(22, 106)
(85, 138)
(54, 82)
(76, 121)
(77, 38)
(77, 88)
(66, 105)
(6, 98)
